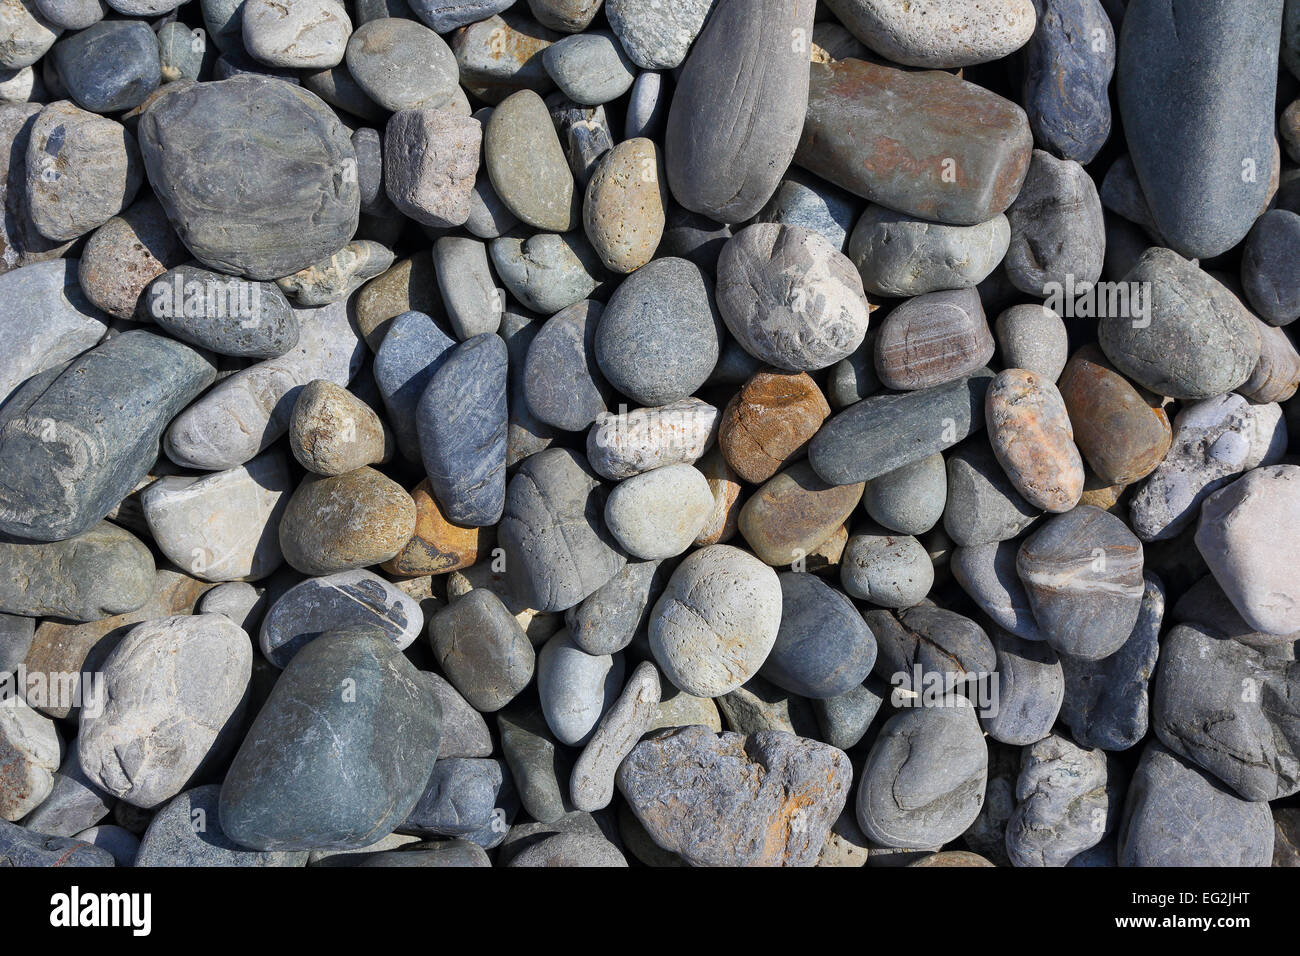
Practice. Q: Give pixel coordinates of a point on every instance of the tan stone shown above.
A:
(769, 422)
(439, 546)
(792, 515)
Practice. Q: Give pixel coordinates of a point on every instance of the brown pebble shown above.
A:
(333, 432)
(932, 339)
(439, 546)
(1122, 436)
(623, 213)
(725, 485)
(792, 515)
(1033, 440)
(345, 522)
(125, 255)
(769, 422)
(1277, 375)
(410, 284)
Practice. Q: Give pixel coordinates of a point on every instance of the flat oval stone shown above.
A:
(539, 769)
(885, 432)
(326, 728)
(563, 384)
(288, 198)
(482, 649)
(725, 155)
(657, 37)
(623, 211)
(222, 526)
(793, 513)
(1033, 439)
(769, 422)
(576, 688)
(439, 545)
(1033, 337)
(502, 55)
(527, 165)
(348, 599)
(1030, 689)
(251, 410)
(411, 351)
(197, 305)
(30, 753)
(658, 338)
(174, 839)
(589, 68)
(97, 574)
(1082, 572)
(1190, 130)
(1057, 232)
(1196, 340)
(923, 783)
(77, 439)
(345, 522)
(631, 442)
(987, 573)
(109, 67)
(939, 33)
(547, 272)
(526, 434)
(701, 795)
(910, 499)
(333, 432)
(932, 339)
(309, 33)
(1069, 801)
(127, 253)
(658, 514)
(1069, 62)
(402, 64)
(617, 733)
(1122, 437)
(1178, 815)
(474, 306)
(557, 549)
(1244, 531)
(618, 612)
(899, 255)
(941, 127)
(1270, 287)
(716, 621)
(885, 569)
(175, 693)
(823, 648)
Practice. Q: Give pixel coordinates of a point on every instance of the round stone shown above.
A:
(125, 255)
(939, 34)
(901, 256)
(589, 68)
(345, 522)
(547, 272)
(911, 499)
(823, 648)
(111, 66)
(1033, 337)
(482, 650)
(932, 339)
(332, 432)
(659, 513)
(305, 34)
(888, 570)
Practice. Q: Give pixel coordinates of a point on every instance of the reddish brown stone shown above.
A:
(439, 546)
(792, 515)
(1031, 436)
(770, 421)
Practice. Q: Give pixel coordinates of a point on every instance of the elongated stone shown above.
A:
(76, 440)
(823, 648)
(987, 572)
(1033, 440)
(618, 612)
(105, 571)
(412, 349)
(882, 433)
(900, 255)
(576, 688)
(726, 154)
(219, 312)
(631, 442)
(563, 384)
(1069, 62)
(932, 339)
(619, 730)
(527, 165)
(956, 153)
(937, 34)
(623, 211)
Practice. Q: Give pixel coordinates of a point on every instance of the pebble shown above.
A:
(31, 750)
(935, 34)
(1191, 129)
(1082, 572)
(885, 569)
(923, 782)
(793, 513)
(590, 68)
(1033, 338)
(1033, 439)
(1243, 536)
(658, 338)
(410, 285)
(617, 612)
(882, 433)
(703, 795)
(25, 35)
(631, 442)
(526, 434)
(431, 159)
(1271, 289)
(188, 832)
(725, 155)
(307, 34)
(289, 196)
(22, 847)
(402, 64)
(933, 338)
(576, 688)
(647, 107)
(623, 210)
(439, 545)
(502, 55)
(245, 604)
(933, 165)
(332, 432)
(823, 648)
(657, 37)
(461, 797)
(987, 573)
(183, 52)
(617, 733)
(901, 256)
(104, 413)
(769, 423)
(910, 499)
(1277, 376)
(337, 277)
(716, 621)
(1069, 62)
(790, 298)
(48, 321)
(1178, 815)
(345, 522)
(585, 136)
(411, 351)
(70, 14)
(196, 305)
(375, 751)
(474, 305)
(445, 16)
(175, 691)
(1068, 801)
(222, 526)
(658, 514)
(1122, 437)
(1058, 236)
(547, 272)
(110, 66)
(125, 255)
(1030, 689)
(81, 171)
(563, 384)
(540, 770)
(527, 166)
(482, 650)
(566, 16)
(347, 599)
(251, 410)
(15, 640)
(102, 572)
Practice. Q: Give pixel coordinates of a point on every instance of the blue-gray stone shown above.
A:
(412, 350)
(440, 853)
(844, 720)
(527, 434)
(74, 803)
(341, 752)
(462, 796)
(19, 847)
(823, 647)
(76, 439)
(111, 66)
(71, 14)
(1268, 266)
(225, 22)
(931, 645)
(183, 51)
(1197, 81)
(617, 612)
(15, 640)
(446, 15)
(563, 384)
(806, 200)
(187, 832)
(462, 425)
(234, 63)
(987, 573)
(1029, 690)
(219, 312)
(1068, 65)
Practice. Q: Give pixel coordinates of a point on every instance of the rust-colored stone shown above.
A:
(725, 485)
(770, 421)
(1031, 436)
(439, 546)
(794, 514)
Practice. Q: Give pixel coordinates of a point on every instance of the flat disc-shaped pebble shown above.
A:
(197, 306)
(1033, 439)
(823, 648)
(102, 572)
(939, 33)
(402, 64)
(346, 522)
(659, 513)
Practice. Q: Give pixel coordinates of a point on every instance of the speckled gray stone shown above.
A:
(474, 304)
(25, 34)
(31, 750)
(590, 68)
(482, 650)
(562, 382)
(617, 612)
(898, 255)
(1033, 337)
(576, 688)
(431, 160)
(658, 514)
(97, 574)
(308, 33)
(619, 730)
(540, 769)
(547, 272)
(1068, 801)
(464, 731)
(631, 442)
(71, 14)
(503, 54)
(890, 570)
(224, 314)
(402, 64)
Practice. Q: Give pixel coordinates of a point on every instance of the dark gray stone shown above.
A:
(618, 611)
(230, 316)
(1029, 690)
(1268, 272)
(563, 384)
(844, 720)
(823, 648)
(102, 572)
(462, 796)
(987, 572)
(1058, 236)
(440, 853)
(187, 832)
(482, 649)
(111, 66)
(539, 768)
(1068, 65)
(927, 646)
(1069, 800)
(900, 255)
(526, 434)
(464, 731)
(19, 847)
(15, 640)
(413, 349)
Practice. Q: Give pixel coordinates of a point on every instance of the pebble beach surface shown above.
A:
(614, 433)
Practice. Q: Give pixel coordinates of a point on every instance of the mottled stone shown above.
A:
(109, 67)
(769, 423)
(562, 382)
(482, 650)
(566, 16)
(1058, 236)
(25, 34)
(932, 339)
(899, 255)
(431, 159)
(338, 276)
(502, 55)
(631, 442)
(1068, 801)
(657, 37)
(125, 255)
(97, 574)
(439, 545)
(623, 211)
(30, 753)
(332, 431)
(545, 271)
(227, 315)
(1069, 62)
(345, 522)
(939, 34)
(1033, 439)
(794, 512)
